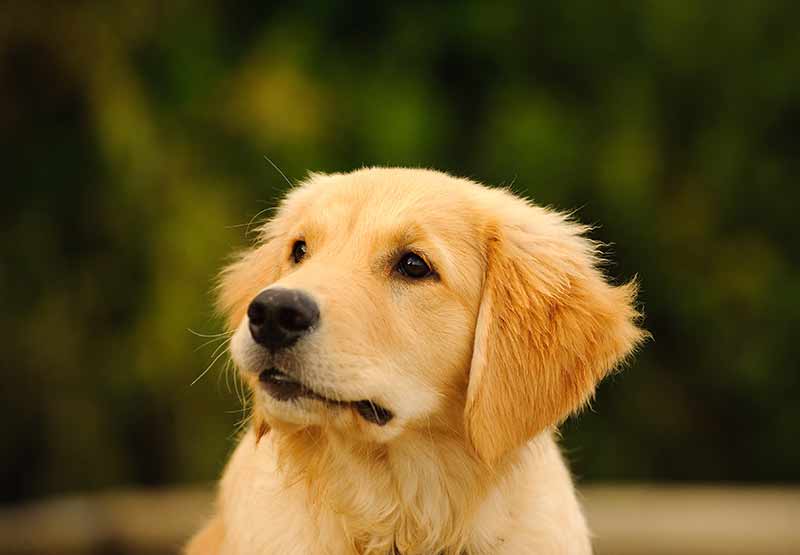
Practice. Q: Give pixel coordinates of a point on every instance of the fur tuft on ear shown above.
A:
(549, 328)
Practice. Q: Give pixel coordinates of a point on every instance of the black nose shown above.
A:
(279, 317)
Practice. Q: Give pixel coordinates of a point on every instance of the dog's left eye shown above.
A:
(299, 251)
(413, 266)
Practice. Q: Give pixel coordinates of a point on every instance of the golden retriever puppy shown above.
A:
(412, 340)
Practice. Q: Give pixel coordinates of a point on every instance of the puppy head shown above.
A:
(391, 262)
(383, 300)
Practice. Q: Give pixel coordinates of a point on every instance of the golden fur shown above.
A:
(479, 364)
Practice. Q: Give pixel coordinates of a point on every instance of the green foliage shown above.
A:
(133, 135)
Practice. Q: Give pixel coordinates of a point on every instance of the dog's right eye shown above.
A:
(299, 251)
(413, 266)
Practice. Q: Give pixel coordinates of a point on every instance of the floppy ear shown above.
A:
(549, 328)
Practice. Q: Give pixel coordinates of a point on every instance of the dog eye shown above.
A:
(299, 251)
(411, 265)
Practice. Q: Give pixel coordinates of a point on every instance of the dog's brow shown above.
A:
(309, 231)
(408, 234)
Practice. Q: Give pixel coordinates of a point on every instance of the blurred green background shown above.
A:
(133, 137)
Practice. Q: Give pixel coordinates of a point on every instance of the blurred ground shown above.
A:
(634, 519)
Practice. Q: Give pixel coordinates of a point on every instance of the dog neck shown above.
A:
(418, 495)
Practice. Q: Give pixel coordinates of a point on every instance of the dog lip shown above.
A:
(285, 388)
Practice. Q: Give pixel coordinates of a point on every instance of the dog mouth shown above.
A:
(283, 387)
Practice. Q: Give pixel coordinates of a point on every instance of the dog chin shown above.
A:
(299, 412)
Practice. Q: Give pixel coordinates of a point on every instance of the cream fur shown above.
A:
(478, 364)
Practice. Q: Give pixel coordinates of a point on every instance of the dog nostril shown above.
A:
(294, 319)
(257, 312)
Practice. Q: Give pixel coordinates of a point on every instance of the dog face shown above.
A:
(385, 300)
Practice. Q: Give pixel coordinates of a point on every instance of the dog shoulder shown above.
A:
(209, 540)
(535, 508)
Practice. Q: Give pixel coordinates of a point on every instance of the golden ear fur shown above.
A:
(549, 329)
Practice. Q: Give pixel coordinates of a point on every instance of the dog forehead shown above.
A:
(393, 202)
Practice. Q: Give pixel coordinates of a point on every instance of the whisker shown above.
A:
(198, 334)
(220, 346)
(209, 342)
(244, 420)
(252, 220)
(239, 386)
(226, 374)
(278, 170)
(204, 372)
